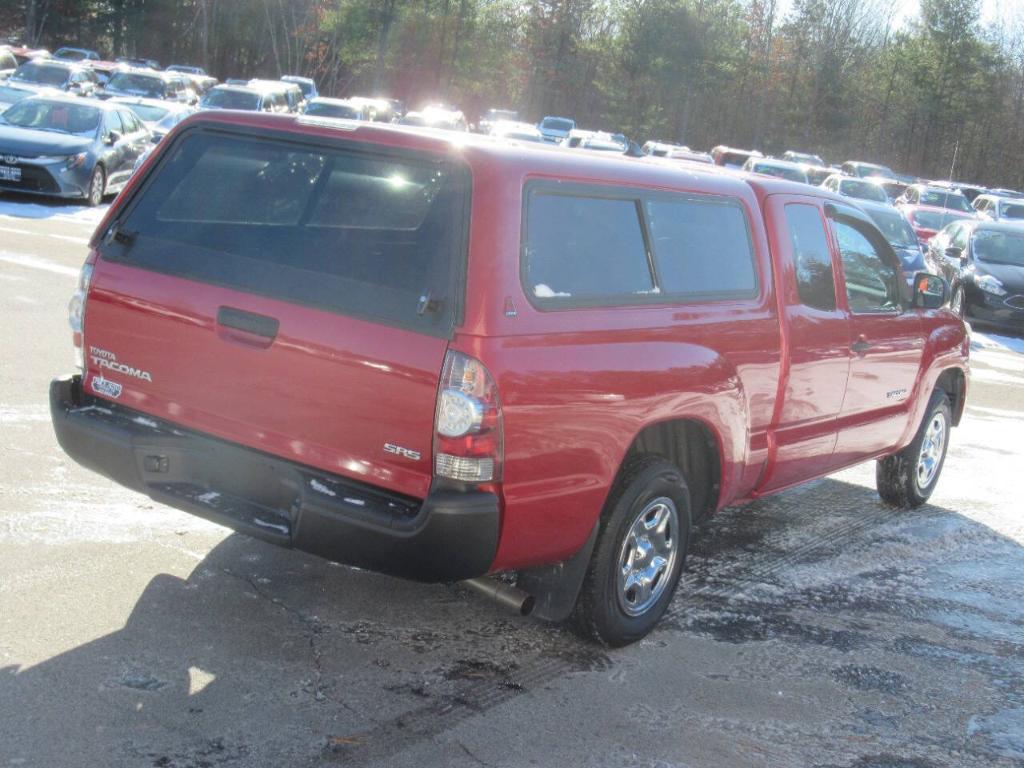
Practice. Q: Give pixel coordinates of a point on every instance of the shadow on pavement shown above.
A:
(269, 657)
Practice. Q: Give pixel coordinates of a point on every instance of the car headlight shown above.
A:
(989, 284)
(74, 161)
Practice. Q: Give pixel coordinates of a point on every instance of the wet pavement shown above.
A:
(817, 628)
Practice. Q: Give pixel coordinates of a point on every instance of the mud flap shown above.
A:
(556, 587)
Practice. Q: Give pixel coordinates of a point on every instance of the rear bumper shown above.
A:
(449, 536)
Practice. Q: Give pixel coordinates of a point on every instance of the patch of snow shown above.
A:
(316, 485)
(20, 209)
(208, 497)
(543, 291)
(995, 341)
(145, 422)
(20, 414)
(274, 526)
(356, 502)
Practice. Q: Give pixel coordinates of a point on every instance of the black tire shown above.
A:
(600, 613)
(898, 477)
(97, 186)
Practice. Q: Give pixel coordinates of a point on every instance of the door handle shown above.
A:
(861, 345)
(261, 326)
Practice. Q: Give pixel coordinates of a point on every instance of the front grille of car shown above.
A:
(33, 179)
(1015, 302)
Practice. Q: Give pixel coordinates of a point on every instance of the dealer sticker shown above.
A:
(105, 387)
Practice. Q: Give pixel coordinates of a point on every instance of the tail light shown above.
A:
(76, 310)
(468, 435)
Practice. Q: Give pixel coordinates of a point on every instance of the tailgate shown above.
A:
(295, 298)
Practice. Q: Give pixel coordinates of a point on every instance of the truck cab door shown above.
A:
(886, 340)
(816, 334)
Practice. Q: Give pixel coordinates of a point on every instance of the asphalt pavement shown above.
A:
(815, 628)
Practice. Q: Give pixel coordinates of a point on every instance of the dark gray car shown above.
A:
(68, 147)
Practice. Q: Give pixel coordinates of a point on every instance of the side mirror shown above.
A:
(112, 138)
(930, 291)
(954, 253)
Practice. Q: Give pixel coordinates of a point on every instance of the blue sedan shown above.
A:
(67, 147)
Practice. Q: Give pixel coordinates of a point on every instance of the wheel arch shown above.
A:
(953, 381)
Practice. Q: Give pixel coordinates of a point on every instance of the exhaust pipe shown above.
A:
(503, 594)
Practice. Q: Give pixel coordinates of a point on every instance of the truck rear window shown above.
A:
(372, 234)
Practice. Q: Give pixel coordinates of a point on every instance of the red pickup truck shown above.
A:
(442, 356)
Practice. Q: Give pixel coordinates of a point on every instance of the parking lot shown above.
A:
(815, 628)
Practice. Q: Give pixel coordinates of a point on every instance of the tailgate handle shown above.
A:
(248, 322)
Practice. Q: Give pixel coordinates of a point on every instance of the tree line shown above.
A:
(936, 95)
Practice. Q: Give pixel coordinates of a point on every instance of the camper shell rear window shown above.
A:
(343, 226)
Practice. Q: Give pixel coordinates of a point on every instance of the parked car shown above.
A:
(564, 394)
(851, 186)
(899, 234)
(893, 188)
(554, 129)
(803, 158)
(1002, 192)
(996, 208)
(158, 116)
(292, 93)
(201, 81)
(306, 85)
(863, 170)
(661, 148)
(7, 63)
(381, 110)
(104, 70)
(12, 93)
(599, 141)
(59, 75)
(927, 220)
(244, 97)
(149, 84)
(507, 129)
(492, 117)
(23, 53)
(691, 156)
(75, 54)
(63, 146)
(436, 116)
(984, 262)
(321, 106)
(730, 157)
(816, 174)
(936, 197)
(139, 63)
(970, 191)
(780, 168)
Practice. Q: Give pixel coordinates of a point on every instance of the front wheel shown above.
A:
(97, 186)
(906, 479)
(639, 554)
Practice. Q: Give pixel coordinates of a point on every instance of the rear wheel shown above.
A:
(97, 186)
(907, 479)
(639, 555)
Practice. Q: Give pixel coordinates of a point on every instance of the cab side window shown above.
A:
(111, 123)
(872, 278)
(958, 237)
(812, 260)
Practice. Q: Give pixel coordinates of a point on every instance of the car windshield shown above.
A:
(501, 114)
(10, 95)
(863, 190)
(800, 157)
(1013, 211)
(232, 100)
(935, 219)
(782, 171)
(137, 85)
(895, 228)
(866, 169)
(320, 109)
(171, 119)
(999, 247)
(556, 124)
(734, 159)
(952, 200)
(56, 116)
(70, 54)
(149, 113)
(44, 74)
(306, 88)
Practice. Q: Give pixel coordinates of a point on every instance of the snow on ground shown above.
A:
(981, 341)
(55, 210)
